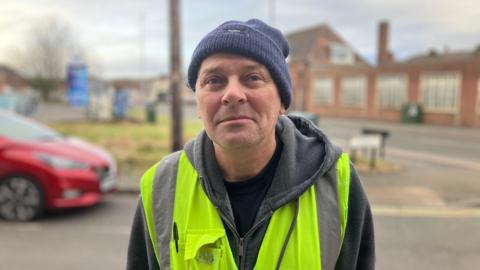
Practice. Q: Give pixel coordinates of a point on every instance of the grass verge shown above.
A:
(133, 143)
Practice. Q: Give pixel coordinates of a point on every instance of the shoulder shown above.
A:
(163, 169)
(169, 160)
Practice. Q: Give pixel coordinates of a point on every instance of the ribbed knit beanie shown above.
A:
(253, 39)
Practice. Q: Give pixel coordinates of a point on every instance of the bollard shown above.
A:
(151, 112)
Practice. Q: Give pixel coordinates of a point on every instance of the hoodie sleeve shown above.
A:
(141, 255)
(358, 249)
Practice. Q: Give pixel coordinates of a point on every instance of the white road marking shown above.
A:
(423, 156)
(440, 212)
(444, 160)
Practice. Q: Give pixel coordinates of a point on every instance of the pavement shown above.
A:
(426, 178)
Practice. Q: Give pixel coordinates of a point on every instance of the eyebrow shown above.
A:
(218, 69)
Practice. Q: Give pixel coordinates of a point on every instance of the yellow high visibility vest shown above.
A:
(199, 240)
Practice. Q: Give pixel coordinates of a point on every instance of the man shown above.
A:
(256, 189)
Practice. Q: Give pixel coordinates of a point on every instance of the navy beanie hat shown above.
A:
(253, 39)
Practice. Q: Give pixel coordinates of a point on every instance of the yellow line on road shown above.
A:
(440, 212)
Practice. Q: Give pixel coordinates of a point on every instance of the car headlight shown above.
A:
(62, 163)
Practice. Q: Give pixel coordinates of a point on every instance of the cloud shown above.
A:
(111, 29)
(415, 26)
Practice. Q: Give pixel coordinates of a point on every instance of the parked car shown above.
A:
(41, 170)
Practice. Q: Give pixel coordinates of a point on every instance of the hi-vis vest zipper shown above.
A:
(194, 236)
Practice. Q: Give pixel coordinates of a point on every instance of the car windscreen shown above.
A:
(18, 128)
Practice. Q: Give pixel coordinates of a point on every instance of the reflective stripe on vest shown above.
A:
(202, 242)
(146, 189)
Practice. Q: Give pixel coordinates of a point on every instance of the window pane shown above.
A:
(392, 90)
(353, 91)
(323, 89)
(341, 54)
(440, 90)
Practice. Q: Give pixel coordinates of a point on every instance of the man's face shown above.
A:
(237, 101)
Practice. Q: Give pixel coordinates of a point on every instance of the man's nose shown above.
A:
(234, 93)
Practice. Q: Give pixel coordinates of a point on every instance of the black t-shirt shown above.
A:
(246, 196)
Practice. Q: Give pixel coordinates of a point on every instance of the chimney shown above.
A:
(432, 52)
(383, 55)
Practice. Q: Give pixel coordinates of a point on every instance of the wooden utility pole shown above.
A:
(175, 75)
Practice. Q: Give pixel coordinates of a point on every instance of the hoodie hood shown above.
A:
(307, 154)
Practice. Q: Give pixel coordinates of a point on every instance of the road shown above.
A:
(97, 238)
(432, 242)
(438, 165)
(453, 142)
(93, 238)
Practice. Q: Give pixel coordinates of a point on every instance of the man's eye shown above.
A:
(254, 77)
(212, 80)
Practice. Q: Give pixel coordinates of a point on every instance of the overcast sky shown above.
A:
(110, 30)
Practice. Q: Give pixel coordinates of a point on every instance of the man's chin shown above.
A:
(236, 142)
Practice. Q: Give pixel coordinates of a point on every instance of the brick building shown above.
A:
(330, 78)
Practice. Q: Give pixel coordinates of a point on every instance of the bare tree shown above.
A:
(49, 45)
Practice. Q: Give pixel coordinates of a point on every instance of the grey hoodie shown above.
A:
(306, 157)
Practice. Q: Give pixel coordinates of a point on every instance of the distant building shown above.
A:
(15, 94)
(9, 76)
(330, 78)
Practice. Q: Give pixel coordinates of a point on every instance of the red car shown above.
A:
(41, 170)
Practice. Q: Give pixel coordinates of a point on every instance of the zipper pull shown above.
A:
(240, 249)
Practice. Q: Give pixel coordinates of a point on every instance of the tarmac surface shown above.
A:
(439, 167)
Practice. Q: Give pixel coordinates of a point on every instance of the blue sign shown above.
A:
(120, 104)
(77, 84)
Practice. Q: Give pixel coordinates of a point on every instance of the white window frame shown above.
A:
(350, 86)
(424, 77)
(325, 97)
(348, 56)
(391, 90)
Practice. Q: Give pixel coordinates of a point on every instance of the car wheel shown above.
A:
(21, 199)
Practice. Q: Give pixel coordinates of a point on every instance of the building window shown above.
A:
(341, 54)
(323, 91)
(440, 91)
(353, 91)
(392, 90)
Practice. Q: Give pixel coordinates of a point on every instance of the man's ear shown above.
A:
(282, 110)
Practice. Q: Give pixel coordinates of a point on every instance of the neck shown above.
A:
(241, 164)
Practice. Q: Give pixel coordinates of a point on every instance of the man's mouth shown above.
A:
(235, 119)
